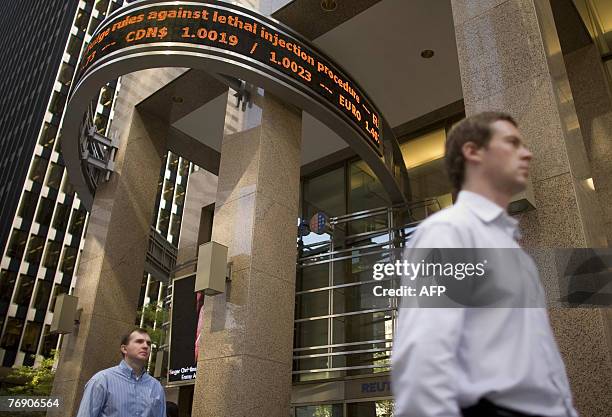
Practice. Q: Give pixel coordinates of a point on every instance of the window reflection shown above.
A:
(7, 284)
(424, 158)
(12, 334)
(326, 410)
(69, 260)
(325, 193)
(55, 176)
(35, 249)
(24, 290)
(17, 244)
(52, 254)
(43, 293)
(39, 167)
(45, 211)
(31, 336)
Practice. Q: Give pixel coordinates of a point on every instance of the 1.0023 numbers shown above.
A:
(292, 65)
(212, 35)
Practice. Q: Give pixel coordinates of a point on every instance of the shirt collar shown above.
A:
(488, 211)
(128, 371)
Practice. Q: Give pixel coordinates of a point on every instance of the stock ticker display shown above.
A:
(232, 30)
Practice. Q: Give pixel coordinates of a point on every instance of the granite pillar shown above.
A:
(245, 358)
(510, 60)
(112, 263)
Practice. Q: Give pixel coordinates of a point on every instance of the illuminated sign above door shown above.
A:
(234, 32)
(228, 39)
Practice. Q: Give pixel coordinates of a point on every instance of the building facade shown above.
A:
(307, 337)
(43, 220)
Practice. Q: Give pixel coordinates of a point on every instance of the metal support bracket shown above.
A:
(98, 152)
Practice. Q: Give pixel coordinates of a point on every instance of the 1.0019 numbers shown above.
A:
(292, 65)
(211, 35)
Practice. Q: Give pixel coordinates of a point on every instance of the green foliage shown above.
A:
(32, 380)
(154, 315)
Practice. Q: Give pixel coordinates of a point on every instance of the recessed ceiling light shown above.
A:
(329, 5)
(427, 53)
(177, 99)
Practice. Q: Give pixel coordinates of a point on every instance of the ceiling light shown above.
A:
(177, 99)
(329, 5)
(427, 53)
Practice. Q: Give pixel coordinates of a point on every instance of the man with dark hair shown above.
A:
(480, 362)
(126, 390)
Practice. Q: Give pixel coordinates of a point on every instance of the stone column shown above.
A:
(510, 60)
(244, 364)
(111, 267)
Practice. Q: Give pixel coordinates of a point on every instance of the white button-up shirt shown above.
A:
(445, 359)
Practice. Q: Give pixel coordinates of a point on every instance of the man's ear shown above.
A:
(471, 152)
(123, 349)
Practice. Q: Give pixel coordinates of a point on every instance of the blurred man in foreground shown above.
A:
(479, 362)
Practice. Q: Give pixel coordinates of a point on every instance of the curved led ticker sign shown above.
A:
(227, 39)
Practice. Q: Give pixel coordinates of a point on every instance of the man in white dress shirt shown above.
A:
(479, 362)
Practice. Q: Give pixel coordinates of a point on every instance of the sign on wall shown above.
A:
(186, 305)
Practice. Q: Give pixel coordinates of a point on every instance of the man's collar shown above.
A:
(128, 371)
(487, 210)
(484, 208)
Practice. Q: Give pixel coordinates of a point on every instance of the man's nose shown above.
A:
(527, 154)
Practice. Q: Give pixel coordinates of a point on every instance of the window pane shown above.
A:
(52, 255)
(78, 219)
(39, 167)
(184, 168)
(325, 193)
(28, 205)
(382, 408)
(7, 284)
(61, 217)
(326, 410)
(24, 290)
(424, 158)
(55, 176)
(29, 344)
(173, 162)
(164, 222)
(179, 197)
(17, 244)
(49, 342)
(43, 293)
(168, 191)
(365, 190)
(35, 249)
(312, 304)
(69, 260)
(45, 211)
(58, 101)
(12, 334)
(311, 333)
(175, 229)
(362, 327)
(47, 137)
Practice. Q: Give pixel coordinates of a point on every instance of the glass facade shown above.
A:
(343, 332)
(50, 221)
